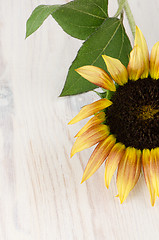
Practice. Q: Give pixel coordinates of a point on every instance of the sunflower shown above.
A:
(125, 127)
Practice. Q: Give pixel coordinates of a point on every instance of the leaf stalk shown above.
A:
(129, 15)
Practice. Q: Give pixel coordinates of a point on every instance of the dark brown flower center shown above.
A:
(134, 115)
(147, 112)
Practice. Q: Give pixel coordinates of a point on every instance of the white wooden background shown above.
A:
(41, 197)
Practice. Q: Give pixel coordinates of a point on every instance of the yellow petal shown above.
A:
(116, 69)
(154, 61)
(97, 76)
(136, 64)
(96, 120)
(141, 42)
(91, 109)
(147, 174)
(154, 168)
(112, 161)
(128, 172)
(98, 156)
(89, 138)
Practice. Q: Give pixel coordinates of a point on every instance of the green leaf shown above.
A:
(80, 18)
(38, 16)
(109, 39)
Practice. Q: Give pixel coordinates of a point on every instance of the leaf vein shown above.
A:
(107, 43)
(96, 16)
(101, 9)
(122, 42)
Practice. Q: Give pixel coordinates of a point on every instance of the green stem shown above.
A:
(129, 16)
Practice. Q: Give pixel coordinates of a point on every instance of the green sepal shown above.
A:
(105, 94)
(101, 94)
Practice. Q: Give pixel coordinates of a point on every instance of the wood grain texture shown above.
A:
(41, 197)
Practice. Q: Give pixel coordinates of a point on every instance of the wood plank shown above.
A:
(41, 197)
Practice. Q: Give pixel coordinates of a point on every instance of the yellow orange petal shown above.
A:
(147, 174)
(141, 42)
(89, 138)
(154, 61)
(154, 168)
(136, 64)
(91, 109)
(112, 161)
(98, 157)
(96, 120)
(128, 172)
(116, 69)
(97, 76)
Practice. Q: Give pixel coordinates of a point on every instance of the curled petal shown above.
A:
(141, 42)
(147, 174)
(112, 161)
(96, 120)
(97, 76)
(154, 61)
(91, 109)
(90, 137)
(116, 69)
(98, 156)
(136, 64)
(154, 168)
(128, 172)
